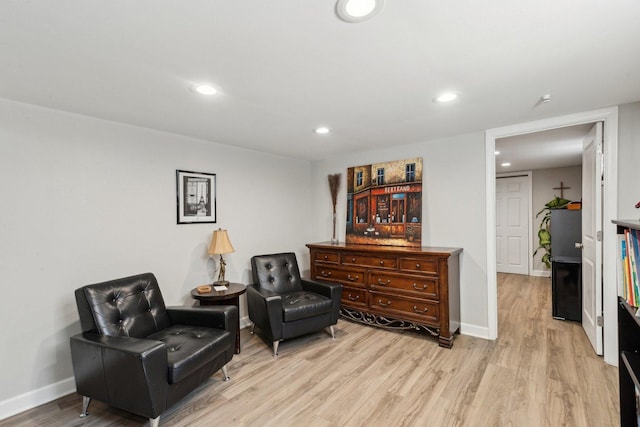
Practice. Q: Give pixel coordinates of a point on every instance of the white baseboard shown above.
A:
(31, 399)
(540, 273)
(474, 330)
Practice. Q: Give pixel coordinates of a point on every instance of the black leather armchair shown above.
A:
(283, 305)
(138, 355)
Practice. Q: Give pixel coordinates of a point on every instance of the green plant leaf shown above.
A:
(557, 203)
(544, 236)
(546, 259)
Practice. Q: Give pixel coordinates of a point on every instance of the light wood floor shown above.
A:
(540, 372)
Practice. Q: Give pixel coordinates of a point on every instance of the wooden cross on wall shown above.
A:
(561, 188)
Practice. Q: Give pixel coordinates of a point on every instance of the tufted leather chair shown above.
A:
(138, 355)
(283, 305)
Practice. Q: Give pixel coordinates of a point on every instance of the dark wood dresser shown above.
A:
(394, 287)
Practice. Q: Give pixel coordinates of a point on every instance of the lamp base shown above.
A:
(221, 283)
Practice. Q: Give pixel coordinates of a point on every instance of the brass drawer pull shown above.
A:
(326, 257)
(381, 262)
(383, 304)
(419, 289)
(380, 282)
(353, 279)
(325, 274)
(353, 260)
(417, 310)
(351, 298)
(417, 265)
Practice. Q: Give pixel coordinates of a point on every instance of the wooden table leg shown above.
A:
(236, 301)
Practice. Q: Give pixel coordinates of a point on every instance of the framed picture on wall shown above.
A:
(384, 203)
(196, 197)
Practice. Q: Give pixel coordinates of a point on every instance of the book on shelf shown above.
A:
(629, 271)
(636, 263)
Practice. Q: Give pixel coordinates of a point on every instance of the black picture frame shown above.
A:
(195, 197)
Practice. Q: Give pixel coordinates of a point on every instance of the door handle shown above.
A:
(578, 245)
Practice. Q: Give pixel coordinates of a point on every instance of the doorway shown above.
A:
(610, 118)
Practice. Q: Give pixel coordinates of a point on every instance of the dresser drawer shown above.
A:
(428, 266)
(369, 261)
(419, 286)
(412, 308)
(354, 297)
(346, 276)
(331, 257)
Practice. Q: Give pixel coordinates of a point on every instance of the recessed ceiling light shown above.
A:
(497, 152)
(357, 10)
(205, 89)
(505, 164)
(446, 97)
(322, 130)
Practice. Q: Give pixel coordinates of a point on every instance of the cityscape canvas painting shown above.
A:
(384, 203)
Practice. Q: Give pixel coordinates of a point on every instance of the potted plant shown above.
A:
(544, 234)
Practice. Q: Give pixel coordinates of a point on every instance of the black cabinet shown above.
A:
(628, 351)
(566, 288)
(628, 363)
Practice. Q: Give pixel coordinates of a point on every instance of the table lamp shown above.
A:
(219, 245)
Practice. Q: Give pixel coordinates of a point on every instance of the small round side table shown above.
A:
(231, 296)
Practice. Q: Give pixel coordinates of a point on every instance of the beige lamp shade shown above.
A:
(220, 243)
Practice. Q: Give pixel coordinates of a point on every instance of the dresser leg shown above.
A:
(446, 342)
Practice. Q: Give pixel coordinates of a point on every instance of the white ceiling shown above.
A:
(285, 67)
(554, 148)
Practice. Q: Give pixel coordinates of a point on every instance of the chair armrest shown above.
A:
(329, 290)
(265, 310)
(210, 316)
(333, 291)
(129, 373)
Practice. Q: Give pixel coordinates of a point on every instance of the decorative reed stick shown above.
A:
(334, 186)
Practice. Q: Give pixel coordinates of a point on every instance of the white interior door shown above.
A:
(512, 224)
(592, 236)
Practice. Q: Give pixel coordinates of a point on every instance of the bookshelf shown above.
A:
(628, 348)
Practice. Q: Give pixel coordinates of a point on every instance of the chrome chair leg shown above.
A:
(85, 406)
(275, 347)
(253, 328)
(333, 332)
(154, 422)
(224, 373)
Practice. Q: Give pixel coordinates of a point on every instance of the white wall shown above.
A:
(629, 161)
(86, 200)
(543, 182)
(453, 208)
